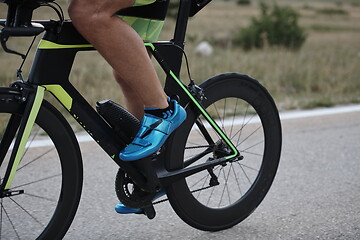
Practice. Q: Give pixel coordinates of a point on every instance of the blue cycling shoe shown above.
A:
(122, 209)
(153, 132)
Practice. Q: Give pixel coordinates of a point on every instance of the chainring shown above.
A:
(129, 193)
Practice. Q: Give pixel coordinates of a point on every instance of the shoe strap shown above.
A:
(151, 128)
(141, 142)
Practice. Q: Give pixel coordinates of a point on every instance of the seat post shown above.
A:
(181, 22)
(173, 55)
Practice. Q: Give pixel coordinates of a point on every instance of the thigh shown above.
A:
(109, 7)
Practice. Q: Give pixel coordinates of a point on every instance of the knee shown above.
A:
(78, 12)
(83, 12)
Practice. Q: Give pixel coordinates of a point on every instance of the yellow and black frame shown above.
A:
(50, 71)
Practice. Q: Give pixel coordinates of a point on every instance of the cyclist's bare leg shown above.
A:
(124, 50)
(120, 45)
(133, 102)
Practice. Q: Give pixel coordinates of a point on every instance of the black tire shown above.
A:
(50, 175)
(242, 183)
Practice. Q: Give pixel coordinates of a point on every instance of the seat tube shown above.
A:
(173, 56)
(181, 22)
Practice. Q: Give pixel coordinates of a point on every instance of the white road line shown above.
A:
(283, 116)
(319, 112)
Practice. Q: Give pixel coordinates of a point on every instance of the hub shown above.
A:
(221, 150)
(10, 193)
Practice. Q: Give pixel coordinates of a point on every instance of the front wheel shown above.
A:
(226, 194)
(46, 189)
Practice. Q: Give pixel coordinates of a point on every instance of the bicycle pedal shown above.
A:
(124, 123)
(149, 211)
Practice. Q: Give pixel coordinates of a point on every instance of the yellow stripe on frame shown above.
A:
(60, 94)
(44, 44)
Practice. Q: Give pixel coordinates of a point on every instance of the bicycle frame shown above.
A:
(62, 48)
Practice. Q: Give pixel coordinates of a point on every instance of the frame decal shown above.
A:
(60, 94)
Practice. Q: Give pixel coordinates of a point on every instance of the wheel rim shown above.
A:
(39, 175)
(244, 127)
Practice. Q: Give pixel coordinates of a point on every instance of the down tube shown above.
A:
(87, 117)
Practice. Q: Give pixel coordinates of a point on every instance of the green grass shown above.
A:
(332, 11)
(330, 28)
(319, 103)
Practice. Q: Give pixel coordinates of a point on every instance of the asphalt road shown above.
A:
(315, 194)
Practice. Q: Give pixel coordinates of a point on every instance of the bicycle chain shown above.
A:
(197, 190)
(194, 147)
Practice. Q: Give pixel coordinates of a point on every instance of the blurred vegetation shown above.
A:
(172, 10)
(243, 2)
(332, 11)
(323, 72)
(277, 26)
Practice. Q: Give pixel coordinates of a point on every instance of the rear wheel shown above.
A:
(226, 194)
(48, 179)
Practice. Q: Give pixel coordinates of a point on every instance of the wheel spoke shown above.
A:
(241, 129)
(41, 197)
(200, 180)
(249, 135)
(8, 134)
(243, 124)
(37, 181)
(224, 112)
(254, 145)
(30, 142)
(204, 132)
(236, 178)
(233, 119)
(191, 159)
(193, 145)
(27, 212)
(243, 165)
(213, 189)
(252, 153)
(1, 217)
(36, 158)
(223, 190)
(227, 186)
(11, 223)
(206, 176)
(203, 185)
(247, 177)
(218, 116)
